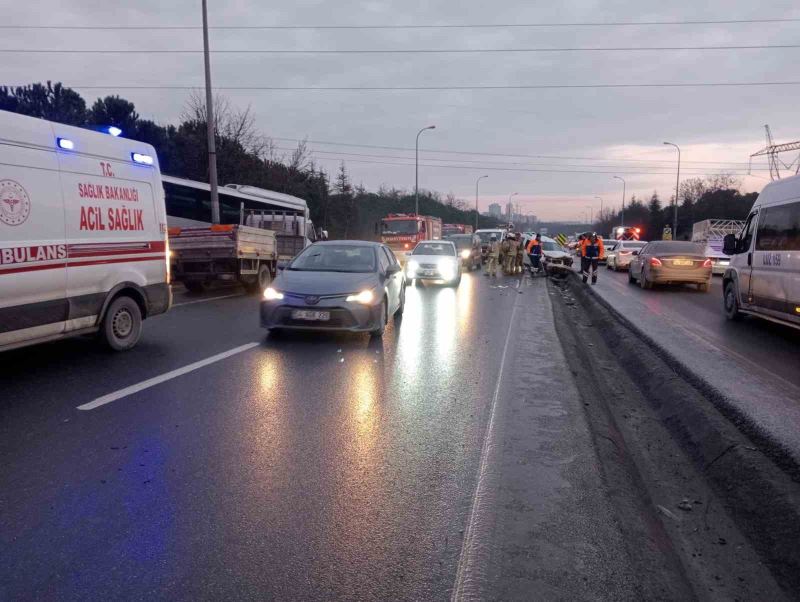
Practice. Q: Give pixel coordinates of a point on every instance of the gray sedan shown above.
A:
(671, 262)
(336, 285)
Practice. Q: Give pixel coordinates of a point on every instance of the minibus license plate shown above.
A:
(305, 314)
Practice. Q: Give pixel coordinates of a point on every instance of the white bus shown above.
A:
(189, 205)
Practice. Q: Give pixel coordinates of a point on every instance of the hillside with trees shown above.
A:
(244, 156)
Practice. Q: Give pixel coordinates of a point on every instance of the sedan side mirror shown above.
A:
(635, 253)
(729, 244)
(392, 269)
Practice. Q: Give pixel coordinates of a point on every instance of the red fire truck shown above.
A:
(402, 231)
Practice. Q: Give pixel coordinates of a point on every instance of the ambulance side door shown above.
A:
(32, 238)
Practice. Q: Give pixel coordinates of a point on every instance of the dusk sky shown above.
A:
(559, 148)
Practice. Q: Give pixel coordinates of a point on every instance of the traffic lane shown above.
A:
(751, 367)
(293, 470)
(43, 384)
(772, 347)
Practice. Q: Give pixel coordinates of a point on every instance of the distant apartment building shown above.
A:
(495, 210)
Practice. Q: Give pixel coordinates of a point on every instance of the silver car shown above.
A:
(336, 285)
(621, 254)
(434, 260)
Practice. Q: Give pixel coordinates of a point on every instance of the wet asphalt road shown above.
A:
(753, 364)
(307, 467)
(771, 346)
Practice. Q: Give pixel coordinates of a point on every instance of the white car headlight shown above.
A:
(272, 295)
(466, 253)
(412, 266)
(364, 297)
(447, 268)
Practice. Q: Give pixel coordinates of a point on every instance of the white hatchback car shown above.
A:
(434, 260)
(619, 257)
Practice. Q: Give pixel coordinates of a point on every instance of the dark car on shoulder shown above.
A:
(348, 285)
(469, 249)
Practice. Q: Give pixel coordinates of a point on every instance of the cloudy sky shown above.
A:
(558, 148)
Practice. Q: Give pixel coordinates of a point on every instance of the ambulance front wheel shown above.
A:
(122, 325)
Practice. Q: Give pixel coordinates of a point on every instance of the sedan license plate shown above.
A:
(429, 273)
(305, 314)
(682, 262)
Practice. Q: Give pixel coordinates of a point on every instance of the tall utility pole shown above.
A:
(677, 189)
(416, 169)
(591, 214)
(622, 217)
(478, 181)
(212, 145)
(601, 207)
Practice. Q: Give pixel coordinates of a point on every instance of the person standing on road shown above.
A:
(493, 256)
(511, 254)
(535, 252)
(592, 252)
(505, 252)
(520, 253)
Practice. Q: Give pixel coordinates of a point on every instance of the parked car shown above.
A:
(671, 262)
(83, 234)
(336, 285)
(469, 249)
(764, 274)
(434, 260)
(621, 254)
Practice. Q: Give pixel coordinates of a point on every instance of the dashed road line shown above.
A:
(157, 380)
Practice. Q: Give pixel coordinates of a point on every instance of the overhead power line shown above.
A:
(415, 26)
(667, 168)
(514, 169)
(443, 88)
(509, 155)
(400, 50)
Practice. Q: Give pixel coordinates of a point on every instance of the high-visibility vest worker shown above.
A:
(592, 247)
(533, 243)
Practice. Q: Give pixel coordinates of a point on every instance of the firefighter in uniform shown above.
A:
(493, 256)
(505, 247)
(510, 257)
(520, 253)
(592, 252)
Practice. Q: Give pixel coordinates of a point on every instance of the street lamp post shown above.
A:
(416, 169)
(677, 189)
(212, 146)
(601, 207)
(478, 181)
(622, 217)
(511, 214)
(591, 214)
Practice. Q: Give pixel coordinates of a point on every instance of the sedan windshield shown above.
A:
(335, 258)
(550, 246)
(399, 226)
(434, 248)
(461, 242)
(487, 236)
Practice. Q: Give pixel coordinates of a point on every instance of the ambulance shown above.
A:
(83, 234)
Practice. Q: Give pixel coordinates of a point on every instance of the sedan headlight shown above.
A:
(412, 266)
(447, 269)
(466, 253)
(270, 294)
(364, 297)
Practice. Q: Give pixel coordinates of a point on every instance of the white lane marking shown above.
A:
(209, 299)
(156, 380)
(464, 559)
